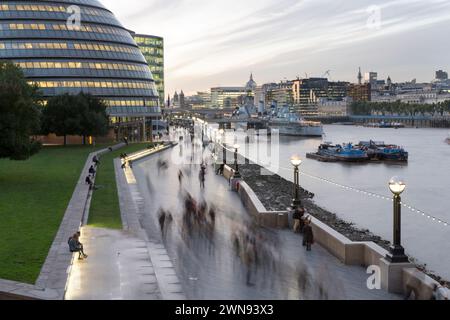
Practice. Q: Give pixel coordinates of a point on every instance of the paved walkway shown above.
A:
(208, 266)
(118, 268)
(124, 264)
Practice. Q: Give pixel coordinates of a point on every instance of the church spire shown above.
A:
(360, 77)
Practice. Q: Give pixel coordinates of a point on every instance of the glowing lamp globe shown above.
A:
(397, 185)
(296, 161)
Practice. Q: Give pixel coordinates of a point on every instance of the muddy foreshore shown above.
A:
(276, 194)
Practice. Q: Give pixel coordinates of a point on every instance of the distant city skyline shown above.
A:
(219, 43)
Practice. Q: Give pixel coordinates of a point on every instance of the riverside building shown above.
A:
(98, 56)
(226, 97)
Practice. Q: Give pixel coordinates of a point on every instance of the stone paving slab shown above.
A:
(118, 268)
(131, 207)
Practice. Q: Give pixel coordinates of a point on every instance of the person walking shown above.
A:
(249, 259)
(297, 216)
(308, 235)
(441, 292)
(202, 177)
(180, 177)
(162, 219)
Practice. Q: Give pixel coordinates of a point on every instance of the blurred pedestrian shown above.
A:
(95, 160)
(249, 258)
(297, 216)
(441, 292)
(89, 182)
(180, 177)
(212, 215)
(202, 177)
(162, 219)
(92, 171)
(308, 235)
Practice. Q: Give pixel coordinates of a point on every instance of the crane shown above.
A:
(327, 73)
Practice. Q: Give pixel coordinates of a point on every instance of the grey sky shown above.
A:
(212, 42)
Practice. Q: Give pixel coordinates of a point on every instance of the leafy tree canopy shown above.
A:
(19, 114)
(400, 108)
(81, 114)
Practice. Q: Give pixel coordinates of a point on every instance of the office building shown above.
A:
(152, 48)
(360, 92)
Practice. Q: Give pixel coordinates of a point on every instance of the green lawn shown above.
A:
(105, 210)
(34, 195)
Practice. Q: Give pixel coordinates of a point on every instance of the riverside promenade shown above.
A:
(126, 264)
(208, 265)
(146, 262)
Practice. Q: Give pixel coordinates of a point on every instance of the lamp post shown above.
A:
(237, 174)
(396, 251)
(224, 151)
(296, 161)
(203, 133)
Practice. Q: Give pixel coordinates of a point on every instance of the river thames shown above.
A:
(428, 182)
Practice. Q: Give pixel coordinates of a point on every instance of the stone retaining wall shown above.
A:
(270, 219)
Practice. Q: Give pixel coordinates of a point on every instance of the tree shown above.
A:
(82, 114)
(19, 114)
(61, 116)
(95, 121)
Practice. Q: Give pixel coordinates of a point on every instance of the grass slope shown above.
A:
(105, 210)
(34, 195)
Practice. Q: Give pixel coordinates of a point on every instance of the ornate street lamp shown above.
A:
(237, 174)
(296, 161)
(397, 252)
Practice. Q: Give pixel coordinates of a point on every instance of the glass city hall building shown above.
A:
(97, 56)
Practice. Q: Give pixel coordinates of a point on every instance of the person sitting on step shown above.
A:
(76, 246)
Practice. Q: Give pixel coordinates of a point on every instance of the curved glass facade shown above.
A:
(99, 56)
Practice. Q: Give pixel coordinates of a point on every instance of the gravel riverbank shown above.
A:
(276, 194)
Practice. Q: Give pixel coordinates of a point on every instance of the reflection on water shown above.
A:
(427, 175)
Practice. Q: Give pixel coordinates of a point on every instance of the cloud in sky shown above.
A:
(212, 42)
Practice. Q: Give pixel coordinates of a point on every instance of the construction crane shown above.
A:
(327, 73)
